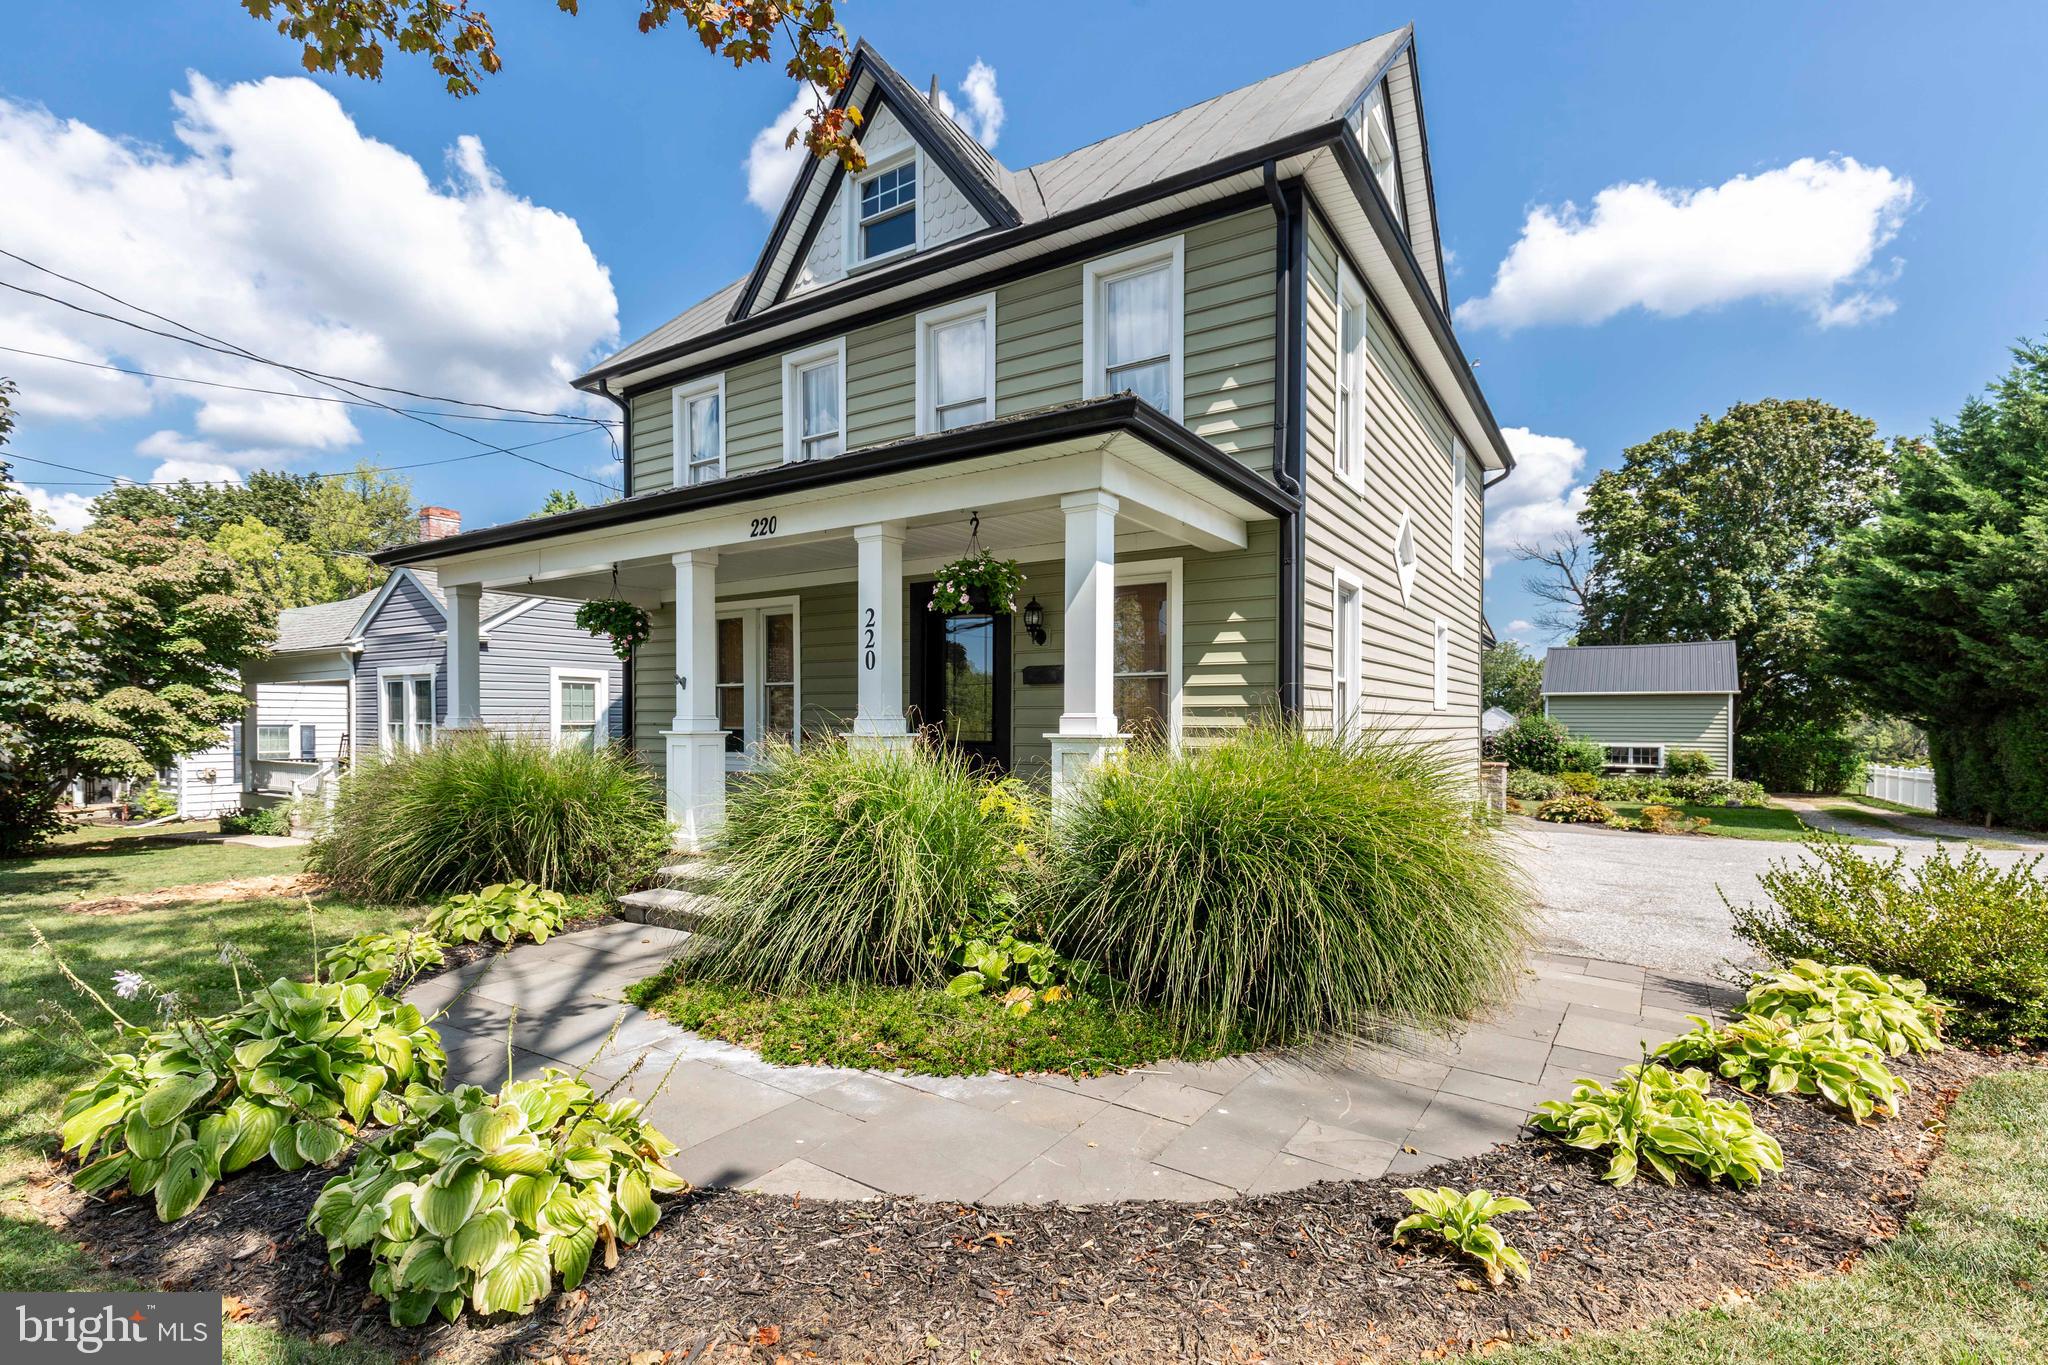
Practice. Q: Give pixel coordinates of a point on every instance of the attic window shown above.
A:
(1369, 124)
(888, 211)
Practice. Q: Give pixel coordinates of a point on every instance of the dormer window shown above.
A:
(1369, 124)
(886, 206)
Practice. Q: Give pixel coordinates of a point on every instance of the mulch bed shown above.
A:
(1308, 1276)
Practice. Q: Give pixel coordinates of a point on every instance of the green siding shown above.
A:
(1038, 341)
(1675, 720)
(1228, 389)
(653, 454)
(753, 415)
(881, 382)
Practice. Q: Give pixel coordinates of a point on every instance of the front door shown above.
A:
(961, 666)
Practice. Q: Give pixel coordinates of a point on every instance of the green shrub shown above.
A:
(1464, 1222)
(844, 864)
(1535, 742)
(1682, 791)
(509, 912)
(1759, 1052)
(289, 1075)
(271, 820)
(28, 813)
(1891, 1012)
(1579, 783)
(1279, 886)
(400, 953)
(1665, 1120)
(481, 807)
(1575, 810)
(154, 803)
(1975, 933)
(484, 1199)
(1993, 769)
(1687, 763)
(1525, 785)
(1583, 753)
(1800, 758)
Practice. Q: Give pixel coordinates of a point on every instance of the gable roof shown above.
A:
(1295, 101)
(1705, 666)
(324, 625)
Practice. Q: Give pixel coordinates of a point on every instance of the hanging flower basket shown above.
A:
(626, 624)
(954, 585)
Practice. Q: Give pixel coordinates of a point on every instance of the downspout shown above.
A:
(1290, 319)
(627, 667)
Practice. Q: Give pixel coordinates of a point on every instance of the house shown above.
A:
(1197, 378)
(370, 674)
(1645, 701)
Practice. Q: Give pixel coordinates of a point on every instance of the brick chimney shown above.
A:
(437, 522)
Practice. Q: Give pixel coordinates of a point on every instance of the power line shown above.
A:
(306, 397)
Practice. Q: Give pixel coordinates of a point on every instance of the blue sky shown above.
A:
(485, 247)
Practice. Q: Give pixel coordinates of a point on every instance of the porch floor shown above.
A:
(1170, 1131)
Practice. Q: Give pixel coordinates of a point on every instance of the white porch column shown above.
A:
(696, 744)
(878, 638)
(465, 608)
(1088, 732)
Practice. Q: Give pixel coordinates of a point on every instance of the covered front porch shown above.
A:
(793, 602)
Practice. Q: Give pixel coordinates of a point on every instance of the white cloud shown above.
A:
(70, 511)
(200, 461)
(1538, 502)
(1807, 234)
(773, 164)
(276, 223)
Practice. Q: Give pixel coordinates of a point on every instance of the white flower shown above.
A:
(128, 984)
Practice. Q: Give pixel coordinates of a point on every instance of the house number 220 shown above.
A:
(867, 629)
(761, 526)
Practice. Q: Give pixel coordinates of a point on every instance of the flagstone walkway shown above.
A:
(1170, 1131)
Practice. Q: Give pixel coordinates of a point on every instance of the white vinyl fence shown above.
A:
(1907, 786)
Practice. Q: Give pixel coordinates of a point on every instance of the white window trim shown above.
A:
(752, 707)
(679, 404)
(1350, 288)
(983, 305)
(850, 210)
(602, 732)
(407, 671)
(1440, 664)
(1096, 273)
(792, 396)
(1460, 480)
(1343, 579)
(1607, 744)
(1406, 573)
(1167, 571)
(291, 735)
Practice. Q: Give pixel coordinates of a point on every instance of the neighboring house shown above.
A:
(1495, 719)
(371, 674)
(209, 783)
(1198, 378)
(1644, 701)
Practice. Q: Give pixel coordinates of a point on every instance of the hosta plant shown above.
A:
(402, 953)
(1758, 1052)
(1023, 974)
(1465, 1222)
(290, 1075)
(506, 911)
(1665, 1120)
(483, 1199)
(1893, 1012)
(1574, 809)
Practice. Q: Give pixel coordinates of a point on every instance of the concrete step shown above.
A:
(668, 907)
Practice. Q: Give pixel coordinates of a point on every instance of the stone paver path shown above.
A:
(1169, 1131)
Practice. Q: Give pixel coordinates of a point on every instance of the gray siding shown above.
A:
(1675, 720)
(405, 631)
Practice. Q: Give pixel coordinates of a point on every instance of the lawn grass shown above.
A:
(1857, 810)
(175, 947)
(917, 1029)
(1775, 823)
(1962, 1282)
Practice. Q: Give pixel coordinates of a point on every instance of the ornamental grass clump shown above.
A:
(847, 865)
(1278, 887)
(483, 807)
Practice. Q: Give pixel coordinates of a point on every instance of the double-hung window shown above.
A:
(1370, 125)
(699, 440)
(1145, 649)
(1347, 649)
(1459, 475)
(814, 402)
(576, 716)
(274, 742)
(1131, 324)
(956, 364)
(756, 686)
(1351, 342)
(885, 211)
(406, 708)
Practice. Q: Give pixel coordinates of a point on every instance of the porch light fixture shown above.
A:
(1034, 621)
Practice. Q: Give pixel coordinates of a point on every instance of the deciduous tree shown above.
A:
(1511, 678)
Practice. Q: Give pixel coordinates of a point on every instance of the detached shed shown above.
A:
(1645, 701)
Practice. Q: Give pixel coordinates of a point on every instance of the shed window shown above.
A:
(1649, 756)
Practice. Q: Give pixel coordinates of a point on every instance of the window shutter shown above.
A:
(235, 738)
(306, 745)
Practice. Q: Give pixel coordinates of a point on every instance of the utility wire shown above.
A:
(306, 397)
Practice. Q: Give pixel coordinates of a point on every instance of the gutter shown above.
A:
(1290, 464)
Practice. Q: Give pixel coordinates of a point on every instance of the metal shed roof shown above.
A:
(1704, 666)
